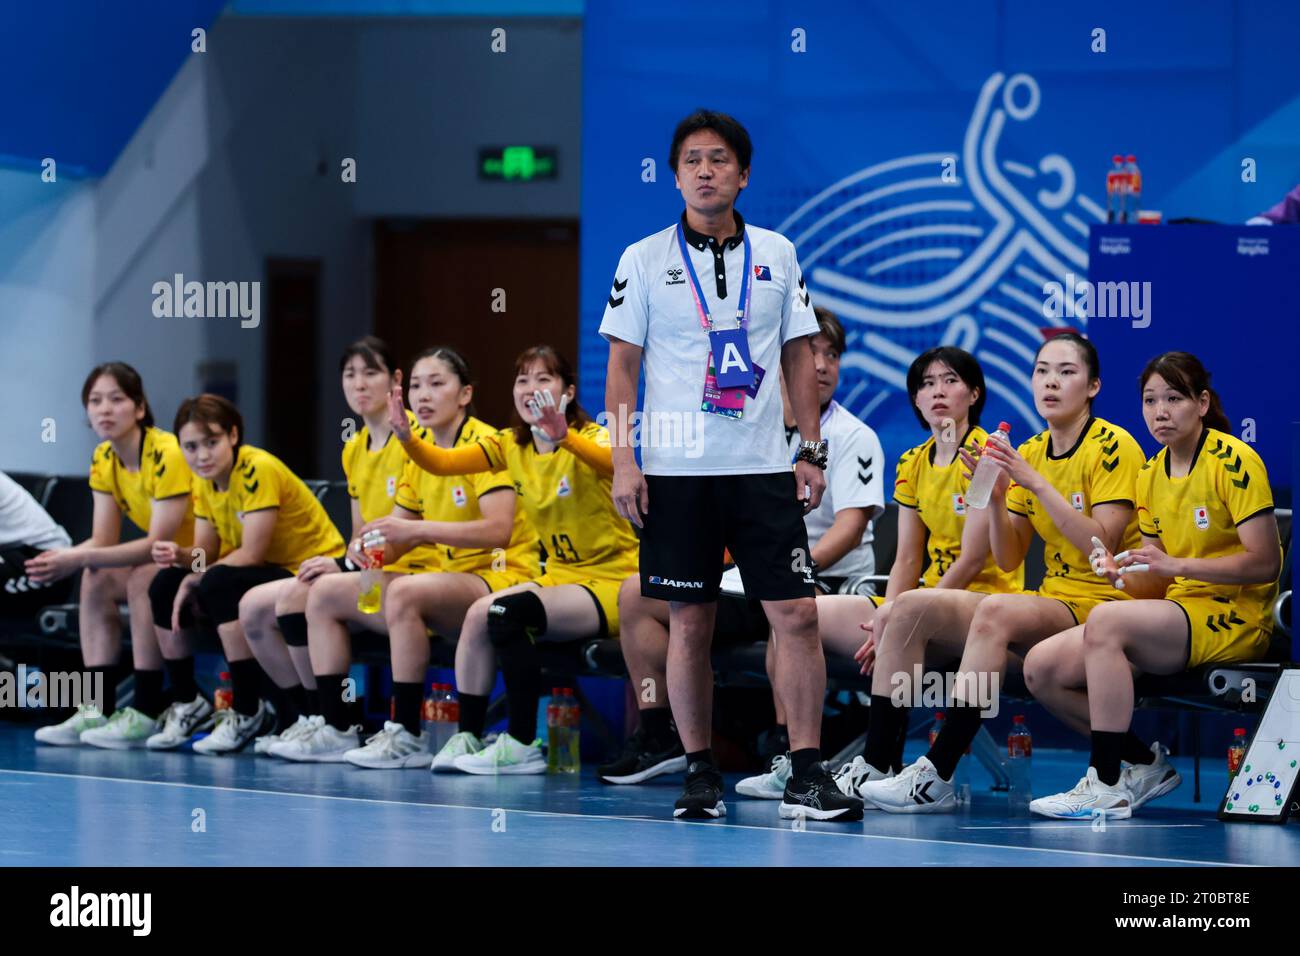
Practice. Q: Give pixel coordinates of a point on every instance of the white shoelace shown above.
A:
(386, 741)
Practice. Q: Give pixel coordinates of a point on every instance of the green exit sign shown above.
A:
(517, 163)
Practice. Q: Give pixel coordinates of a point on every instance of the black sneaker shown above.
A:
(816, 796)
(642, 759)
(702, 797)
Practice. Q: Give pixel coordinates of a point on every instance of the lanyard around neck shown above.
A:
(697, 291)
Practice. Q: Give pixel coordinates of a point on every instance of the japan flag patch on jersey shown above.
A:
(565, 489)
(392, 485)
(959, 504)
(1076, 500)
(458, 496)
(1202, 517)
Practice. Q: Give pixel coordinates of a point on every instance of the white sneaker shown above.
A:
(125, 730)
(850, 777)
(504, 755)
(180, 722)
(461, 744)
(1146, 781)
(393, 748)
(918, 789)
(234, 731)
(770, 785)
(1090, 797)
(68, 733)
(262, 745)
(319, 743)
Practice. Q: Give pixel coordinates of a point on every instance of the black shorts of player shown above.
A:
(218, 593)
(692, 518)
(21, 598)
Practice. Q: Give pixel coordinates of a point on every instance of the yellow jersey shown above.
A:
(570, 505)
(259, 481)
(1101, 468)
(1197, 516)
(373, 475)
(938, 495)
(163, 474)
(456, 498)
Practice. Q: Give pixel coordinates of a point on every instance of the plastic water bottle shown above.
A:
(562, 720)
(937, 726)
(986, 473)
(430, 718)
(1132, 183)
(1237, 752)
(448, 715)
(370, 597)
(1020, 750)
(223, 697)
(1114, 187)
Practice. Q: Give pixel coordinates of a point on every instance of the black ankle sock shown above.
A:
(149, 692)
(882, 732)
(801, 761)
(245, 686)
(781, 732)
(522, 674)
(657, 722)
(313, 702)
(959, 730)
(109, 704)
(904, 718)
(180, 673)
(701, 756)
(291, 705)
(407, 700)
(1135, 751)
(473, 714)
(1107, 746)
(329, 694)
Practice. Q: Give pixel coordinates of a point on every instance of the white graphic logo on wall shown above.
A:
(1252, 246)
(208, 300)
(909, 257)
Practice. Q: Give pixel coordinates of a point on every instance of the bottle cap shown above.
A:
(1117, 158)
(555, 691)
(1130, 158)
(1018, 719)
(1004, 427)
(1240, 730)
(225, 675)
(939, 715)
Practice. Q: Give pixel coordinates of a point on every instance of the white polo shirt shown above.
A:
(855, 478)
(651, 305)
(24, 521)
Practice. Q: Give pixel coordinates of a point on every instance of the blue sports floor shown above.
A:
(80, 806)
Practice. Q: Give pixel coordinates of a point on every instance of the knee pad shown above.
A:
(512, 617)
(162, 596)
(219, 592)
(294, 628)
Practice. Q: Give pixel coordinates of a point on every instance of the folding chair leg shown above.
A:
(1196, 758)
(991, 757)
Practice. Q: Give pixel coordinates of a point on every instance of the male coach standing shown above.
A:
(711, 305)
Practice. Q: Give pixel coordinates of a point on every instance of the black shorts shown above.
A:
(21, 598)
(218, 593)
(692, 518)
